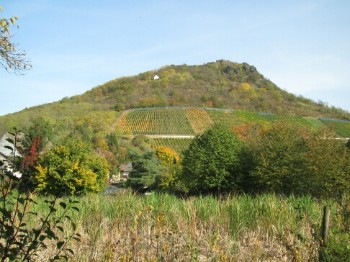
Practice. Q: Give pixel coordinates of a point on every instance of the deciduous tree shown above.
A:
(295, 160)
(170, 160)
(11, 58)
(212, 162)
(71, 169)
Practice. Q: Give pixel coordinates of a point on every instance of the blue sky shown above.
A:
(302, 46)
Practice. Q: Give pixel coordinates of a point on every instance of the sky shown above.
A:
(302, 46)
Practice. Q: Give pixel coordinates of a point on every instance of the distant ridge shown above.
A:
(220, 84)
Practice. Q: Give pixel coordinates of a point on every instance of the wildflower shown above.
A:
(17, 174)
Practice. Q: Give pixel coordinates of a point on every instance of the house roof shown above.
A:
(4, 144)
(126, 167)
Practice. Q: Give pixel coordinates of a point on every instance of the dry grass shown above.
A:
(164, 228)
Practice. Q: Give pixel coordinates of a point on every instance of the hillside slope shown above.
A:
(220, 84)
(175, 126)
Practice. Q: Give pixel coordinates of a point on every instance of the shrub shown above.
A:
(169, 159)
(71, 169)
(19, 240)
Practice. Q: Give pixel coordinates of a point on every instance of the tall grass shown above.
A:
(163, 227)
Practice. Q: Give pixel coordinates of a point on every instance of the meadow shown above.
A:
(162, 227)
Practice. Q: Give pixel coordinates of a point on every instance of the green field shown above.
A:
(341, 127)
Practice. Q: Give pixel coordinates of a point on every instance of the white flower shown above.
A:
(17, 174)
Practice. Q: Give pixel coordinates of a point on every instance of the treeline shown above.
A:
(283, 159)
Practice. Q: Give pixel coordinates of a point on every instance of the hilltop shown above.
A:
(221, 84)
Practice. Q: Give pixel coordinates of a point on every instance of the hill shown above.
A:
(221, 84)
(175, 126)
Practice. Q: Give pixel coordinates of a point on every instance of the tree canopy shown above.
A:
(71, 169)
(212, 161)
(146, 168)
(290, 159)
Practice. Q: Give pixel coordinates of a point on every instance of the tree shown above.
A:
(291, 159)
(40, 129)
(71, 169)
(212, 162)
(11, 58)
(146, 168)
(33, 142)
(279, 153)
(170, 160)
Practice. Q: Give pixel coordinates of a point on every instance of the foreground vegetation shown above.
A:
(129, 227)
(250, 193)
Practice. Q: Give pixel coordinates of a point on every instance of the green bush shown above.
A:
(211, 164)
(294, 160)
(19, 239)
(71, 169)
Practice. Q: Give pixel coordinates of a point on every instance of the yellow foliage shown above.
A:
(40, 176)
(101, 143)
(246, 86)
(167, 155)
(71, 169)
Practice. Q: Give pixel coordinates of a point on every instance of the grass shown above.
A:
(163, 227)
(341, 127)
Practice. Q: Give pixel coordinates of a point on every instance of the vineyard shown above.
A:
(178, 144)
(155, 121)
(187, 121)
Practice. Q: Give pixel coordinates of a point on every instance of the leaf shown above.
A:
(76, 209)
(9, 147)
(77, 239)
(60, 244)
(63, 205)
(70, 251)
(13, 20)
(50, 234)
(60, 228)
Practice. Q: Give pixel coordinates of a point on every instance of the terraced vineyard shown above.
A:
(178, 144)
(155, 121)
(168, 125)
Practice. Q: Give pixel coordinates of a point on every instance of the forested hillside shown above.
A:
(220, 84)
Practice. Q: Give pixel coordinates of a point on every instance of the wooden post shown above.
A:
(325, 224)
